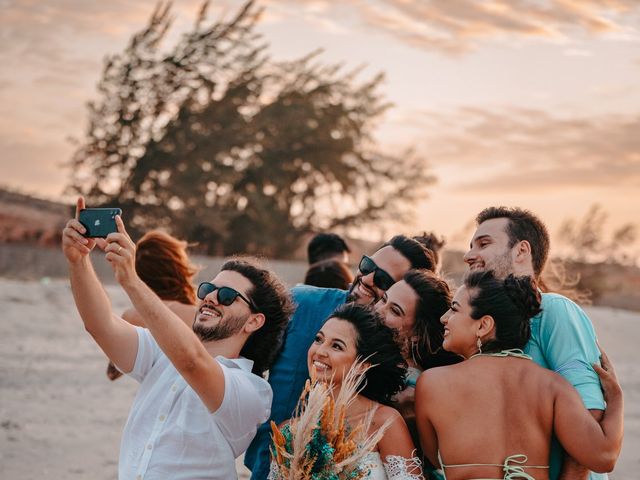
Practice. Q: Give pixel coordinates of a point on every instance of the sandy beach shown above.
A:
(62, 418)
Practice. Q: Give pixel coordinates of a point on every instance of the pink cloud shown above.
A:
(521, 148)
(457, 26)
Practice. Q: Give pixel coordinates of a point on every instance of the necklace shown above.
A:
(511, 352)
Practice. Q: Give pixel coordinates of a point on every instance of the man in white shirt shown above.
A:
(199, 403)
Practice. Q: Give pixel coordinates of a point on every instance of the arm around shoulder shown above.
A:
(592, 444)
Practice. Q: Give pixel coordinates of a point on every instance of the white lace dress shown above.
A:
(395, 468)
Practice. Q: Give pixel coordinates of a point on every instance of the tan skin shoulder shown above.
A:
(396, 440)
(433, 379)
(383, 413)
(447, 371)
(556, 384)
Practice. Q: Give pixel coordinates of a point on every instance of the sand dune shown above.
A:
(62, 418)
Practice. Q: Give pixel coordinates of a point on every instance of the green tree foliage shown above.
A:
(219, 144)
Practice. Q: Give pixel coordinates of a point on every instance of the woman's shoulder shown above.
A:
(439, 375)
(389, 416)
(530, 377)
(384, 413)
(553, 380)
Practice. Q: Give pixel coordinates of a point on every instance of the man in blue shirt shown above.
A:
(313, 306)
(515, 241)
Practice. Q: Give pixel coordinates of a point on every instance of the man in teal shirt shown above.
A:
(515, 241)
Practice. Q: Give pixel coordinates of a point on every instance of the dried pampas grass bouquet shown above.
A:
(317, 443)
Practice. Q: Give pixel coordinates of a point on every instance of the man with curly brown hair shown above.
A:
(199, 404)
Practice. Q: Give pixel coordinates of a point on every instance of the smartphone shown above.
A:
(99, 222)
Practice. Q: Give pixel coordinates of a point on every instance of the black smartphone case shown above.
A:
(99, 222)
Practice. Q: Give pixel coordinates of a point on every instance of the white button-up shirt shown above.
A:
(170, 433)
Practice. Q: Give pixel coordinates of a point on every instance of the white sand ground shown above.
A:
(61, 418)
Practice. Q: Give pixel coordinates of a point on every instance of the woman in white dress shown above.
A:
(355, 332)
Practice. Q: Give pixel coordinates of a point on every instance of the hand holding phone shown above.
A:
(75, 245)
(99, 222)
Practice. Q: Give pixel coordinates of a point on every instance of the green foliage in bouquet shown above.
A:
(317, 443)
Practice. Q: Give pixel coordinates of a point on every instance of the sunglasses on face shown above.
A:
(226, 295)
(381, 278)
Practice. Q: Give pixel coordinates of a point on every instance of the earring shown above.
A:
(479, 345)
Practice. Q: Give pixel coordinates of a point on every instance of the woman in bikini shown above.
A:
(493, 415)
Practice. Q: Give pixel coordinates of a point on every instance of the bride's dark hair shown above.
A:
(510, 302)
(377, 344)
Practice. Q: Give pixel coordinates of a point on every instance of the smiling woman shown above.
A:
(413, 307)
(488, 324)
(354, 341)
(354, 332)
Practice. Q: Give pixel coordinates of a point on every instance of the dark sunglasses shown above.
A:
(226, 295)
(381, 278)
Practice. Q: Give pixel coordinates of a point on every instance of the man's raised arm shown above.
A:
(116, 338)
(177, 341)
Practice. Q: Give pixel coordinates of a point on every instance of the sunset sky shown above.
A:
(533, 103)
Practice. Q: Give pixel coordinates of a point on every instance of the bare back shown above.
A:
(486, 409)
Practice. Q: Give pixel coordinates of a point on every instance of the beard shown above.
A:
(351, 296)
(354, 295)
(222, 330)
(501, 266)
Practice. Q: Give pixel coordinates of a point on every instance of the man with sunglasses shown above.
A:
(201, 398)
(313, 306)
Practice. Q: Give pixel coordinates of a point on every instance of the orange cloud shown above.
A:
(458, 26)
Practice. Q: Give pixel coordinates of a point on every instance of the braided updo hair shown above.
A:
(510, 302)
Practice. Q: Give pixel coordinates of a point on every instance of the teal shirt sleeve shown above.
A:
(568, 344)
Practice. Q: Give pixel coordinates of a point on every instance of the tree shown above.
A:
(589, 241)
(221, 145)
